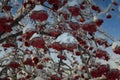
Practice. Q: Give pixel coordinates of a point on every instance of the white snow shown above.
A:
(35, 35)
(39, 78)
(115, 44)
(28, 27)
(0, 69)
(38, 7)
(66, 38)
(0, 4)
(101, 61)
(112, 64)
(94, 18)
(99, 36)
(74, 2)
(18, 74)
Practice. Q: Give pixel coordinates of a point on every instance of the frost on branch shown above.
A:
(39, 15)
(56, 40)
(66, 38)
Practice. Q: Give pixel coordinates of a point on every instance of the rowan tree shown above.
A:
(56, 40)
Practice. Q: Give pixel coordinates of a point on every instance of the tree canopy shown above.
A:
(57, 40)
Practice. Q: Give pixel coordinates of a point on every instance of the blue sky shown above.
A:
(111, 26)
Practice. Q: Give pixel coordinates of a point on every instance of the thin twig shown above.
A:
(105, 34)
(83, 60)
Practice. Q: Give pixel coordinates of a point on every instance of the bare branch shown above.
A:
(13, 35)
(83, 60)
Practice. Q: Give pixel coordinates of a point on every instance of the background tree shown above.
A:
(56, 40)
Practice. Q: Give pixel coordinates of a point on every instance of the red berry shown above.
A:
(90, 27)
(38, 43)
(64, 46)
(55, 7)
(54, 33)
(82, 7)
(115, 3)
(71, 47)
(28, 35)
(101, 41)
(7, 8)
(95, 73)
(96, 8)
(81, 42)
(74, 25)
(55, 77)
(103, 69)
(39, 15)
(77, 53)
(40, 66)
(74, 10)
(27, 76)
(108, 16)
(46, 59)
(64, 2)
(76, 77)
(99, 22)
(102, 54)
(113, 74)
(62, 57)
(14, 65)
(27, 44)
(5, 78)
(65, 15)
(7, 45)
(56, 46)
(117, 50)
(53, 1)
(82, 20)
(35, 60)
(28, 61)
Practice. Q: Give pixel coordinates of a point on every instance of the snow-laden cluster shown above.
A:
(115, 44)
(116, 47)
(38, 7)
(35, 35)
(66, 38)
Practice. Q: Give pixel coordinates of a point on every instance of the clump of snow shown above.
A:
(115, 44)
(0, 4)
(0, 69)
(35, 35)
(74, 2)
(112, 64)
(66, 38)
(28, 27)
(19, 75)
(39, 78)
(95, 18)
(38, 7)
(101, 61)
